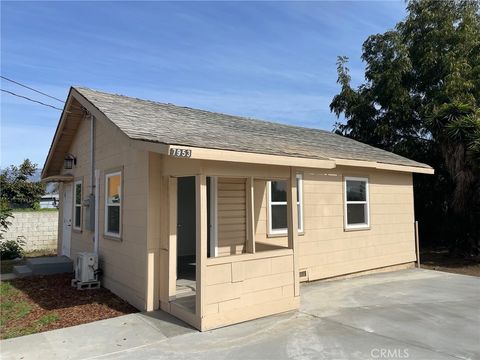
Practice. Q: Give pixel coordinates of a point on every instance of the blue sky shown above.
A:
(267, 60)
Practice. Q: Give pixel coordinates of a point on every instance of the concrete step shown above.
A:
(22, 271)
(50, 265)
(7, 276)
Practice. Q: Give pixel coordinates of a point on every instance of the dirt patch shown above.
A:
(41, 303)
(441, 260)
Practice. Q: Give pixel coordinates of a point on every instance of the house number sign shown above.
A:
(180, 152)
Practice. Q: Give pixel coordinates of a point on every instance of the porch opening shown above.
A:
(186, 242)
(186, 268)
(215, 270)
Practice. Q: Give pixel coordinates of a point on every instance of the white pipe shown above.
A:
(97, 194)
(92, 153)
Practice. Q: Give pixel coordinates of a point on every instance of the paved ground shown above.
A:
(411, 314)
(8, 276)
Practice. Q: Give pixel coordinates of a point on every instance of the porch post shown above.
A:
(250, 245)
(201, 241)
(154, 215)
(292, 221)
(172, 236)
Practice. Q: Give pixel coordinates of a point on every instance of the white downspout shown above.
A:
(94, 182)
(97, 194)
(92, 153)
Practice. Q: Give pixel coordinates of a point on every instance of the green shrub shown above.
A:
(12, 249)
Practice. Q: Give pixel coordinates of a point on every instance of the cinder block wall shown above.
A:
(40, 229)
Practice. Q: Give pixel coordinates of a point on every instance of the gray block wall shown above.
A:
(39, 228)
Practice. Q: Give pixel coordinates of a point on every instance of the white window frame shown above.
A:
(346, 203)
(271, 203)
(111, 234)
(77, 207)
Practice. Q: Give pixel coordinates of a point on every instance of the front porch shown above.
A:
(231, 275)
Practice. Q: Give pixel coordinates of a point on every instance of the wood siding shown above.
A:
(123, 260)
(325, 248)
(231, 216)
(245, 287)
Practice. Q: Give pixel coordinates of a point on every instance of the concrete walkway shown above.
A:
(411, 314)
(7, 276)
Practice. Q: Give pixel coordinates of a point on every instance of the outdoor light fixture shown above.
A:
(69, 161)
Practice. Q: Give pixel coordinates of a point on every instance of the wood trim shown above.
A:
(107, 173)
(250, 245)
(239, 156)
(58, 133)
(383, 166)
(247, 257)
(213, 216)
(77, 180)
(417, 244)
(292, 222)
(57, 178)
(365, 178)
(172, 236)
(256, 158)
(201, 241)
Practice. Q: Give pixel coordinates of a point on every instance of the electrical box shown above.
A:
(89, 204)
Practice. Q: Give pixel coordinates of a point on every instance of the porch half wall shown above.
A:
(249, 286)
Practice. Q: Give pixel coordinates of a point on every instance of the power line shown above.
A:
(29, 88)
(27, 98)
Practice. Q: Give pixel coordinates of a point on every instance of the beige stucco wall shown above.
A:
(123, 260)
(325, 248)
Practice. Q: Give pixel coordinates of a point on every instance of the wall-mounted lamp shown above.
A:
(69, 161)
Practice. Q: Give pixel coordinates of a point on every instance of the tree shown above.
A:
(17, 188)
(421, 99)
(5, 215)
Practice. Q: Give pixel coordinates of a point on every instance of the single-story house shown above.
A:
(217, 219)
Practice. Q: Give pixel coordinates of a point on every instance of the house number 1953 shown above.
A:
(180, 152)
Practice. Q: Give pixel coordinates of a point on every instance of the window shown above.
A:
(277, 198)
(357, 213)
(113, 204)
(77, 205)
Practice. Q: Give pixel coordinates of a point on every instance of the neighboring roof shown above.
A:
(174, 125)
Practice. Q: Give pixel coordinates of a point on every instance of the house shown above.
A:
(49, 201)
(217, 219)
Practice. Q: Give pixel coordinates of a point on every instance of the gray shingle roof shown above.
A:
(174, 125)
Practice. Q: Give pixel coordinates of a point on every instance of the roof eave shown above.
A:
(385, 166)
(56, 137)
(258, 158)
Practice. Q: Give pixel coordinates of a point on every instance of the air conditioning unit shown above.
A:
(86, 268)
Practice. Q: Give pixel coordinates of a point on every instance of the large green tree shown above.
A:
(421, 99)
(17, 189)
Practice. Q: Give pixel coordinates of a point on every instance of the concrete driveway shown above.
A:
(410, 314)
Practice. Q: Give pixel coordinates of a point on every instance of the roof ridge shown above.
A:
(206, 111)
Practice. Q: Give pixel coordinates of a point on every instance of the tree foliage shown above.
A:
(5, 215)
(421, 99)
(17, 188)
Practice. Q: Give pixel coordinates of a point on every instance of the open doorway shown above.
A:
(186, 237)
